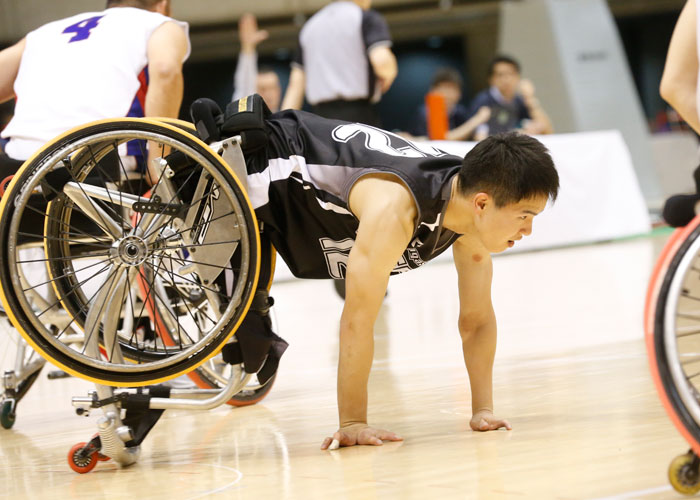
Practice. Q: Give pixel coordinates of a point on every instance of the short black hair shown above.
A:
(502, 58)
(446, 75)
(510, 167)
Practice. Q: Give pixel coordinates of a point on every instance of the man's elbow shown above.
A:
(671, 90)
(164, 73)
(665, 89)
(470, 326)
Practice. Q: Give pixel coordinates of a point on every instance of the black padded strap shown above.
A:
(246, 117)
(139, 417)
(207, 118)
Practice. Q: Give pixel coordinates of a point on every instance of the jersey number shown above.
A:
(336, 253)
(82, 29)
(385, 142)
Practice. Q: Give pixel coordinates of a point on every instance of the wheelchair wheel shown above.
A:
(216, 373)
(195, 244)
(673, 337)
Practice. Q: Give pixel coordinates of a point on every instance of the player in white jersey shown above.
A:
(123, 61)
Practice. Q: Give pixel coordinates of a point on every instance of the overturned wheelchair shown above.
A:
(152, 250)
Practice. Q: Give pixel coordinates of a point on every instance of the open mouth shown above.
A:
(511, 243)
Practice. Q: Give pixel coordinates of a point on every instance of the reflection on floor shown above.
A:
(571, 375)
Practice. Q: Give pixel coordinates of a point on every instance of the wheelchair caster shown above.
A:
(83, 457)
(100, 456)
(684, 475)
(4, 183)
(7, 414)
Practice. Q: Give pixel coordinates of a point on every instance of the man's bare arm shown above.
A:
(477, 328)
(10, 59)
(386, 212)
(166, 51)
(680, 77)
(541, 124)
(466, 129)
(384, 65)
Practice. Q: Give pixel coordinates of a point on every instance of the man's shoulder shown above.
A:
(334, 9)
(383, 192)
(66, 21)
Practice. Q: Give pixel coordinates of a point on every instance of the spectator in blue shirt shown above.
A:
(511, 100)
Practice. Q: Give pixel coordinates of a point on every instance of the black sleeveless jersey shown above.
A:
(299, 188)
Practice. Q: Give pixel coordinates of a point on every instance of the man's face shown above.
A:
(500, 227)
(450, 92)
(505, 78)
(268, 86)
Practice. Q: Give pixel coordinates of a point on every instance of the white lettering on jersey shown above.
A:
(338, 252)
(414, 256)
(401, 266)
(380, 140)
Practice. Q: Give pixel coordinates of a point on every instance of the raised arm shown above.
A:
(245, 77)
(477, 327)
(10, 59)
(680, 77)
(386, 212)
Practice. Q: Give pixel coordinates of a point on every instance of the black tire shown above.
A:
(7, 413)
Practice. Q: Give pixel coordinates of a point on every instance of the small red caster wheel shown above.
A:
(81, 460)
(3, 184)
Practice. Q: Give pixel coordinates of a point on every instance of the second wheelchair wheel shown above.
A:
(673, 338)
(216, 373)
(196, 244)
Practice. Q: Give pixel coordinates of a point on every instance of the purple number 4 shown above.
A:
(82, 29)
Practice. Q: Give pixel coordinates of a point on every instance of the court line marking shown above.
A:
(222, 488)
(636, 494)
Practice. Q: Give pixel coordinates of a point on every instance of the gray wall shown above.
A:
(572, 51)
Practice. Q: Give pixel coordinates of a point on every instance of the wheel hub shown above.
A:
(132, 250)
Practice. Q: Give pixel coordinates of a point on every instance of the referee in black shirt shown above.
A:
(343, 64)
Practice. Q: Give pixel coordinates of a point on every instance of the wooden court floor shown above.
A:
(571, 375)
